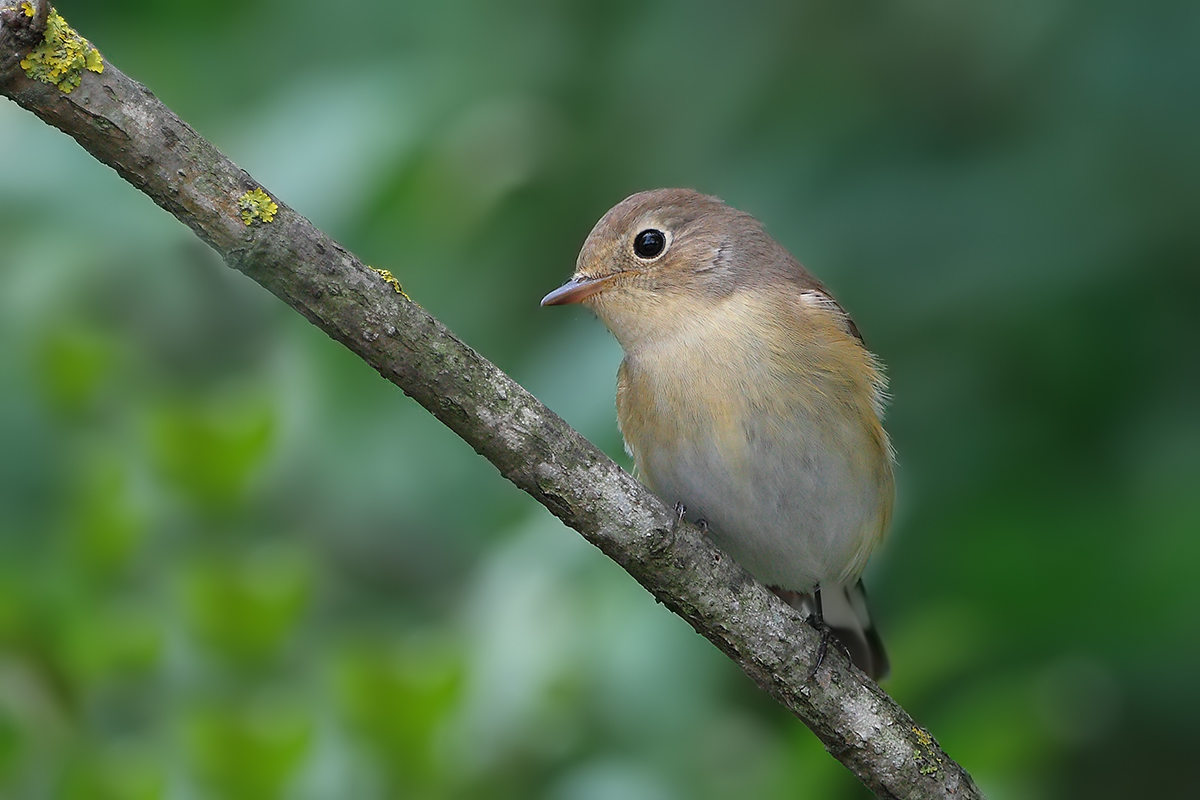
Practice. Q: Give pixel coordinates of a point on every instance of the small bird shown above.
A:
(747, 397)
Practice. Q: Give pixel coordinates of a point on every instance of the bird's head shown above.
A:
(659, 258)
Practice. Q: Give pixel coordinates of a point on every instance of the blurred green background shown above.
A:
(235, 563)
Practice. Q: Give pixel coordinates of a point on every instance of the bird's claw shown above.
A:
(681, 512)
(822, 648)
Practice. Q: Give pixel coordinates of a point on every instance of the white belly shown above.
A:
(785, 502)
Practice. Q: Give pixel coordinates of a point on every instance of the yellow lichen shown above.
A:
(257, 205)
(388, 277)
(62, 56)
(928, 761)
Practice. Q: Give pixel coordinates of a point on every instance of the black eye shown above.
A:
(649, 243)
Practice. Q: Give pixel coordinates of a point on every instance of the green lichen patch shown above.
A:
(257, 205)
(389, 278)
(62, 56)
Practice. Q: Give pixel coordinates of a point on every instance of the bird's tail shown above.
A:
(843, 607)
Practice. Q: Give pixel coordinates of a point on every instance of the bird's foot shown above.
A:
(666, 538)
(817, 620)
(681, 512)
(822, 648)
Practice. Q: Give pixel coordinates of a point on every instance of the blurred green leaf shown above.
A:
(212, 453)
(11, 747)
(399, 699)
(73, 363)
(248, 752)
(103, 644)
(246, 607)
(115, 776)
(105, 528)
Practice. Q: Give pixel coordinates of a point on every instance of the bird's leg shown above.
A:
(681, 512)
(817, 620)
(667, 539)
(809, 604)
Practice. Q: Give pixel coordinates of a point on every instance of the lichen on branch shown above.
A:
(62, 55)
(257, 205)
(390, 279)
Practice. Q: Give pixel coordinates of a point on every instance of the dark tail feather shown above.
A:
(877, 663)
(844, 610)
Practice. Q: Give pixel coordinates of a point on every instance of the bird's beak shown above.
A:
(576, 290)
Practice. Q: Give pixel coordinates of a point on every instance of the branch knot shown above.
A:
(25, 22)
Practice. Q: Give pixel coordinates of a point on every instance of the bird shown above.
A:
(747, 398)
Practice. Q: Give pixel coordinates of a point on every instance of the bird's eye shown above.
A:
(649, 243)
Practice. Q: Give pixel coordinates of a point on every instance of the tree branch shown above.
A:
(126, 127)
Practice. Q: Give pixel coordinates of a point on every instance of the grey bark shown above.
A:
(123, 125)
